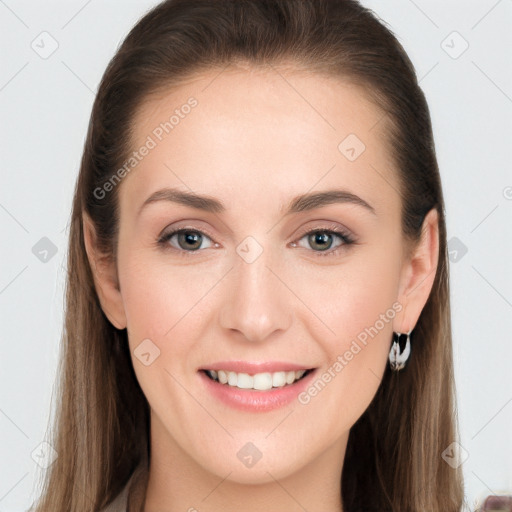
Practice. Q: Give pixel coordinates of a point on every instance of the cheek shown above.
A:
(177, 306)
(161, 322)
(147, 299)
(343, 301)
(351, 297)
(358, 304)
(165, 303)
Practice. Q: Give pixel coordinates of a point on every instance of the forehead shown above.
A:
(263, 134)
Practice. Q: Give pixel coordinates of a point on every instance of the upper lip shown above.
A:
(255, 367)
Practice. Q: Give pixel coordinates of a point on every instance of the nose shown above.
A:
(258, 302)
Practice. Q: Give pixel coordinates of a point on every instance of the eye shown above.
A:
(322, 240)
(189, 240)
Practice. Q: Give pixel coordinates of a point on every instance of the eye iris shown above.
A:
(190, 237)
(321, 237)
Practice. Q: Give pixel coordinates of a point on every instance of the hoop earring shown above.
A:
(397, 356)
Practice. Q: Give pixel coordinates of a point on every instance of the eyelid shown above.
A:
(341, 231)
(178, 227)
(318, 226)
(326, 225)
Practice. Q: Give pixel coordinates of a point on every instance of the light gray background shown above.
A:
(45, 104)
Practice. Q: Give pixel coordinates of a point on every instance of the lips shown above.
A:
(254, 367)
(255, 386)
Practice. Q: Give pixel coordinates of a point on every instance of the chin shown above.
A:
(248, 465)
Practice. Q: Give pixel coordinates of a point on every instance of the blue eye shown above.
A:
(323, 238)
(188, 240)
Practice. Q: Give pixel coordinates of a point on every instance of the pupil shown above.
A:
(191, 238)
(321, 238)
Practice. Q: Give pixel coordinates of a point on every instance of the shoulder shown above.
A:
(133, 493)
(120, 503)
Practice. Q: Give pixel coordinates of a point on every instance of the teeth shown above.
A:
(278, 379)
(260, 381)
(242, 380)
(233, 379)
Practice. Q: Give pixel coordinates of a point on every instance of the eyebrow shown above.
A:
(302, 203)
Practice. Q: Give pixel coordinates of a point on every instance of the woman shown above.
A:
(258, 300)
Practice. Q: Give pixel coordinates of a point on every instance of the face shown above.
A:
(241, 285)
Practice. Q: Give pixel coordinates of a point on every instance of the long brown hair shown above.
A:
(101, 431)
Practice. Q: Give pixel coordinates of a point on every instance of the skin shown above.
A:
(256, 139)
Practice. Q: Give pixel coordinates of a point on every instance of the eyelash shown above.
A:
(346, 238)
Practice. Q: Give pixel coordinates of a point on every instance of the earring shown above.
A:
(397, 356)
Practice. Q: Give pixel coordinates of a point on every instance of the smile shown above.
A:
(259, 381)
(255, 387)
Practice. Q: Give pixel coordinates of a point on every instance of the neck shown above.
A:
(176, 482)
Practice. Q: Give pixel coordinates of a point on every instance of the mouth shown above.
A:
(264, 381)
(255, 386)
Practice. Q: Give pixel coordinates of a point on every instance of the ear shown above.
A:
(104, 271)
(418, 274)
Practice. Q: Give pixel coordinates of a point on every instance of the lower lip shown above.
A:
(254, 400)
